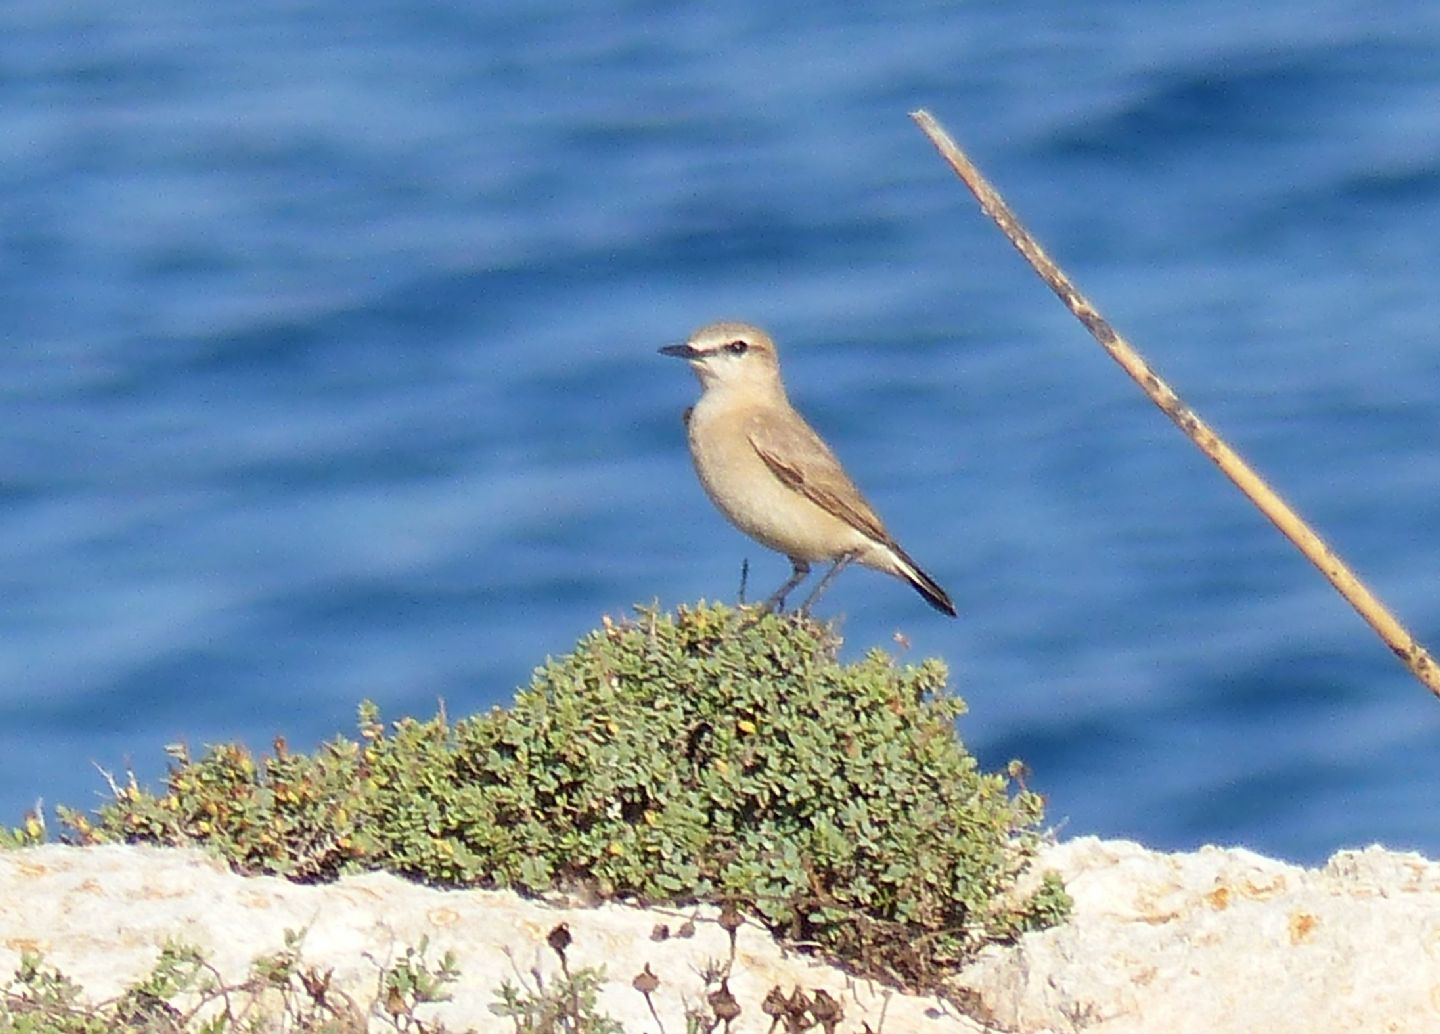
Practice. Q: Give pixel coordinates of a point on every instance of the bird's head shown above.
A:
(730, 356)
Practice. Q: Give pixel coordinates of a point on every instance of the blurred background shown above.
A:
(329, 371)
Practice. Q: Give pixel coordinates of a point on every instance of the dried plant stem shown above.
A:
(1395, 635)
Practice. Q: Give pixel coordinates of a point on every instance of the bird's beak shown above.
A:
(682, 351)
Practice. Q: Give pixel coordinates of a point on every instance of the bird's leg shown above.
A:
(824, 582)
(798, 570)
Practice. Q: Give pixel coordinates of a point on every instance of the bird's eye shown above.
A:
(737, 348)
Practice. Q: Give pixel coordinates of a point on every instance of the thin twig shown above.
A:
(1395, 635)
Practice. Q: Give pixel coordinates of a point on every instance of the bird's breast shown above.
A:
(757, 502)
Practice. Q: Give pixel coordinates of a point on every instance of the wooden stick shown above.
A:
(1401, 643)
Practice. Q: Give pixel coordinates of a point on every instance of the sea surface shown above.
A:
(328, 371)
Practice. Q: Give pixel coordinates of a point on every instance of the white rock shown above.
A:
(1217, 941)
(102, 914)
(1226, 942)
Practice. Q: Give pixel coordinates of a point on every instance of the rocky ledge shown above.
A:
(1219, 940)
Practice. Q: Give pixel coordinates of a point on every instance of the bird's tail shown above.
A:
(922, 582)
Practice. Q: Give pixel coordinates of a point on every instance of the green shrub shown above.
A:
(712, 754)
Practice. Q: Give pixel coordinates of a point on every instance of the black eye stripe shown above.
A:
(737, 348)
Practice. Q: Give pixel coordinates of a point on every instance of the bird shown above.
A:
(773, 476)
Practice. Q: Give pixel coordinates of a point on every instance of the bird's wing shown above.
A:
(801, 460)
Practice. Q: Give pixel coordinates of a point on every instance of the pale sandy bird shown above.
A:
(772, 475)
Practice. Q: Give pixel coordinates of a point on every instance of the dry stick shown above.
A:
(1271, 505)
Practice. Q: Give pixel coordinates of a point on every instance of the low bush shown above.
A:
(711, 754)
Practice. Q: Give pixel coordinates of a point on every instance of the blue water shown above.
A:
(328, 371)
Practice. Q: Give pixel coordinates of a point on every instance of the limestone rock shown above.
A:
(1211, 942)
(1226, 942)
(102, 914)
